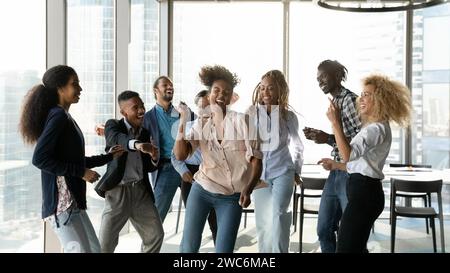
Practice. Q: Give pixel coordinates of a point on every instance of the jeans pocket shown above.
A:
(65, 217)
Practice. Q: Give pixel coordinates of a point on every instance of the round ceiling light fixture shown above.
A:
(378, 5)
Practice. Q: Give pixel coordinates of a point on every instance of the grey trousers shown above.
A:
(132, 202)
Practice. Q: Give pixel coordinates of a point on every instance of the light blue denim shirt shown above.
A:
(282, 151)
(194, 159)
(166, 121)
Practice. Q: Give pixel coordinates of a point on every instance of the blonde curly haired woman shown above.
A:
(382, 101)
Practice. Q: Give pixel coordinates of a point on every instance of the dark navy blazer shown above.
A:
(116, 133)
(60, 152)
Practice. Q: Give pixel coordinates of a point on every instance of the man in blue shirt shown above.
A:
(159, 121)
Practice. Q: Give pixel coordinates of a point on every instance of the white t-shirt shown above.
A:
(369, 150)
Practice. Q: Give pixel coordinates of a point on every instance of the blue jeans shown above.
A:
(332, 205)
(166, 185)
(228, 213)
(273, 220)
(75, 232)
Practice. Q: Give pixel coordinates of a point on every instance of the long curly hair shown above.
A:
(40, 99)
(209, 74)
(283, 91)
(392, 100)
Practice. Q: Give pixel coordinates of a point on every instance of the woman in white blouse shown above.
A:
(381, 101)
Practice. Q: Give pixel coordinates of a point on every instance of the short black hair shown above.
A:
(126, 95)
(334, 68)
(200, 95)
(156, 82)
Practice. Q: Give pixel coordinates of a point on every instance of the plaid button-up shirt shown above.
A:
(351, 123)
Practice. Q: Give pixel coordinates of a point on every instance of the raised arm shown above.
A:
(182, 147)
(333, 115)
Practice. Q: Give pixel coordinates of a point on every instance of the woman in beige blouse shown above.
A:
(231, 164)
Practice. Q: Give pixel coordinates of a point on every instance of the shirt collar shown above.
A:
(160, 108)
(341, 93)
(130, 128)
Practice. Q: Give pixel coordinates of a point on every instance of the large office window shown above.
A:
(248, 43)
(363, 42)
(144, 48)
(431, 87)
(21, 67)
(91, 52)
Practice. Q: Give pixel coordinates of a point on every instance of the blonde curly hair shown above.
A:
(391, 100)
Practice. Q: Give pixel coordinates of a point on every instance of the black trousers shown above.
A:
(365, 204)
(186, 188)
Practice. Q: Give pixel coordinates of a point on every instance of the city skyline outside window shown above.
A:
(91, 52)
(144, 49)
(431, 87)
(374, 44)
(225, 34)
(22, 65)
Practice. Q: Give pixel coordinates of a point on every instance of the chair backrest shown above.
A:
(313, 183)
(416, 186)
(395, 165)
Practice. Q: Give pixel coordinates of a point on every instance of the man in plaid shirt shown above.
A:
(330, 75)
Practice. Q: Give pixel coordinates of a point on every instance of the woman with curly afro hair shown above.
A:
(231, 164)
(382, 101)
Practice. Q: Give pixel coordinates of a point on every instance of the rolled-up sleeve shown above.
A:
(253, 150)
(297, 146)
(252, 140)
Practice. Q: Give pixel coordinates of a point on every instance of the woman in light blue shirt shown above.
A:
(381, 101)
(278, 127)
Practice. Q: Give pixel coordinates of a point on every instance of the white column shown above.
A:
(166, 38)
(123, 10)
(56, 55)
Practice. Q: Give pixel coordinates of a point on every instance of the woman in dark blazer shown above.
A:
(60, 155)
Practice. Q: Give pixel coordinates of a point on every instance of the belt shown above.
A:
(128, 184)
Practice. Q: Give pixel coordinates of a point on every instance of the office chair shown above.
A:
(428, 187)
(410, 195)
(308, 184)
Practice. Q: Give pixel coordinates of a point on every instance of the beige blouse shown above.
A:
(226, 167)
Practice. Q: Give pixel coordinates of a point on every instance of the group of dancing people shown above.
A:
(218, 157)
